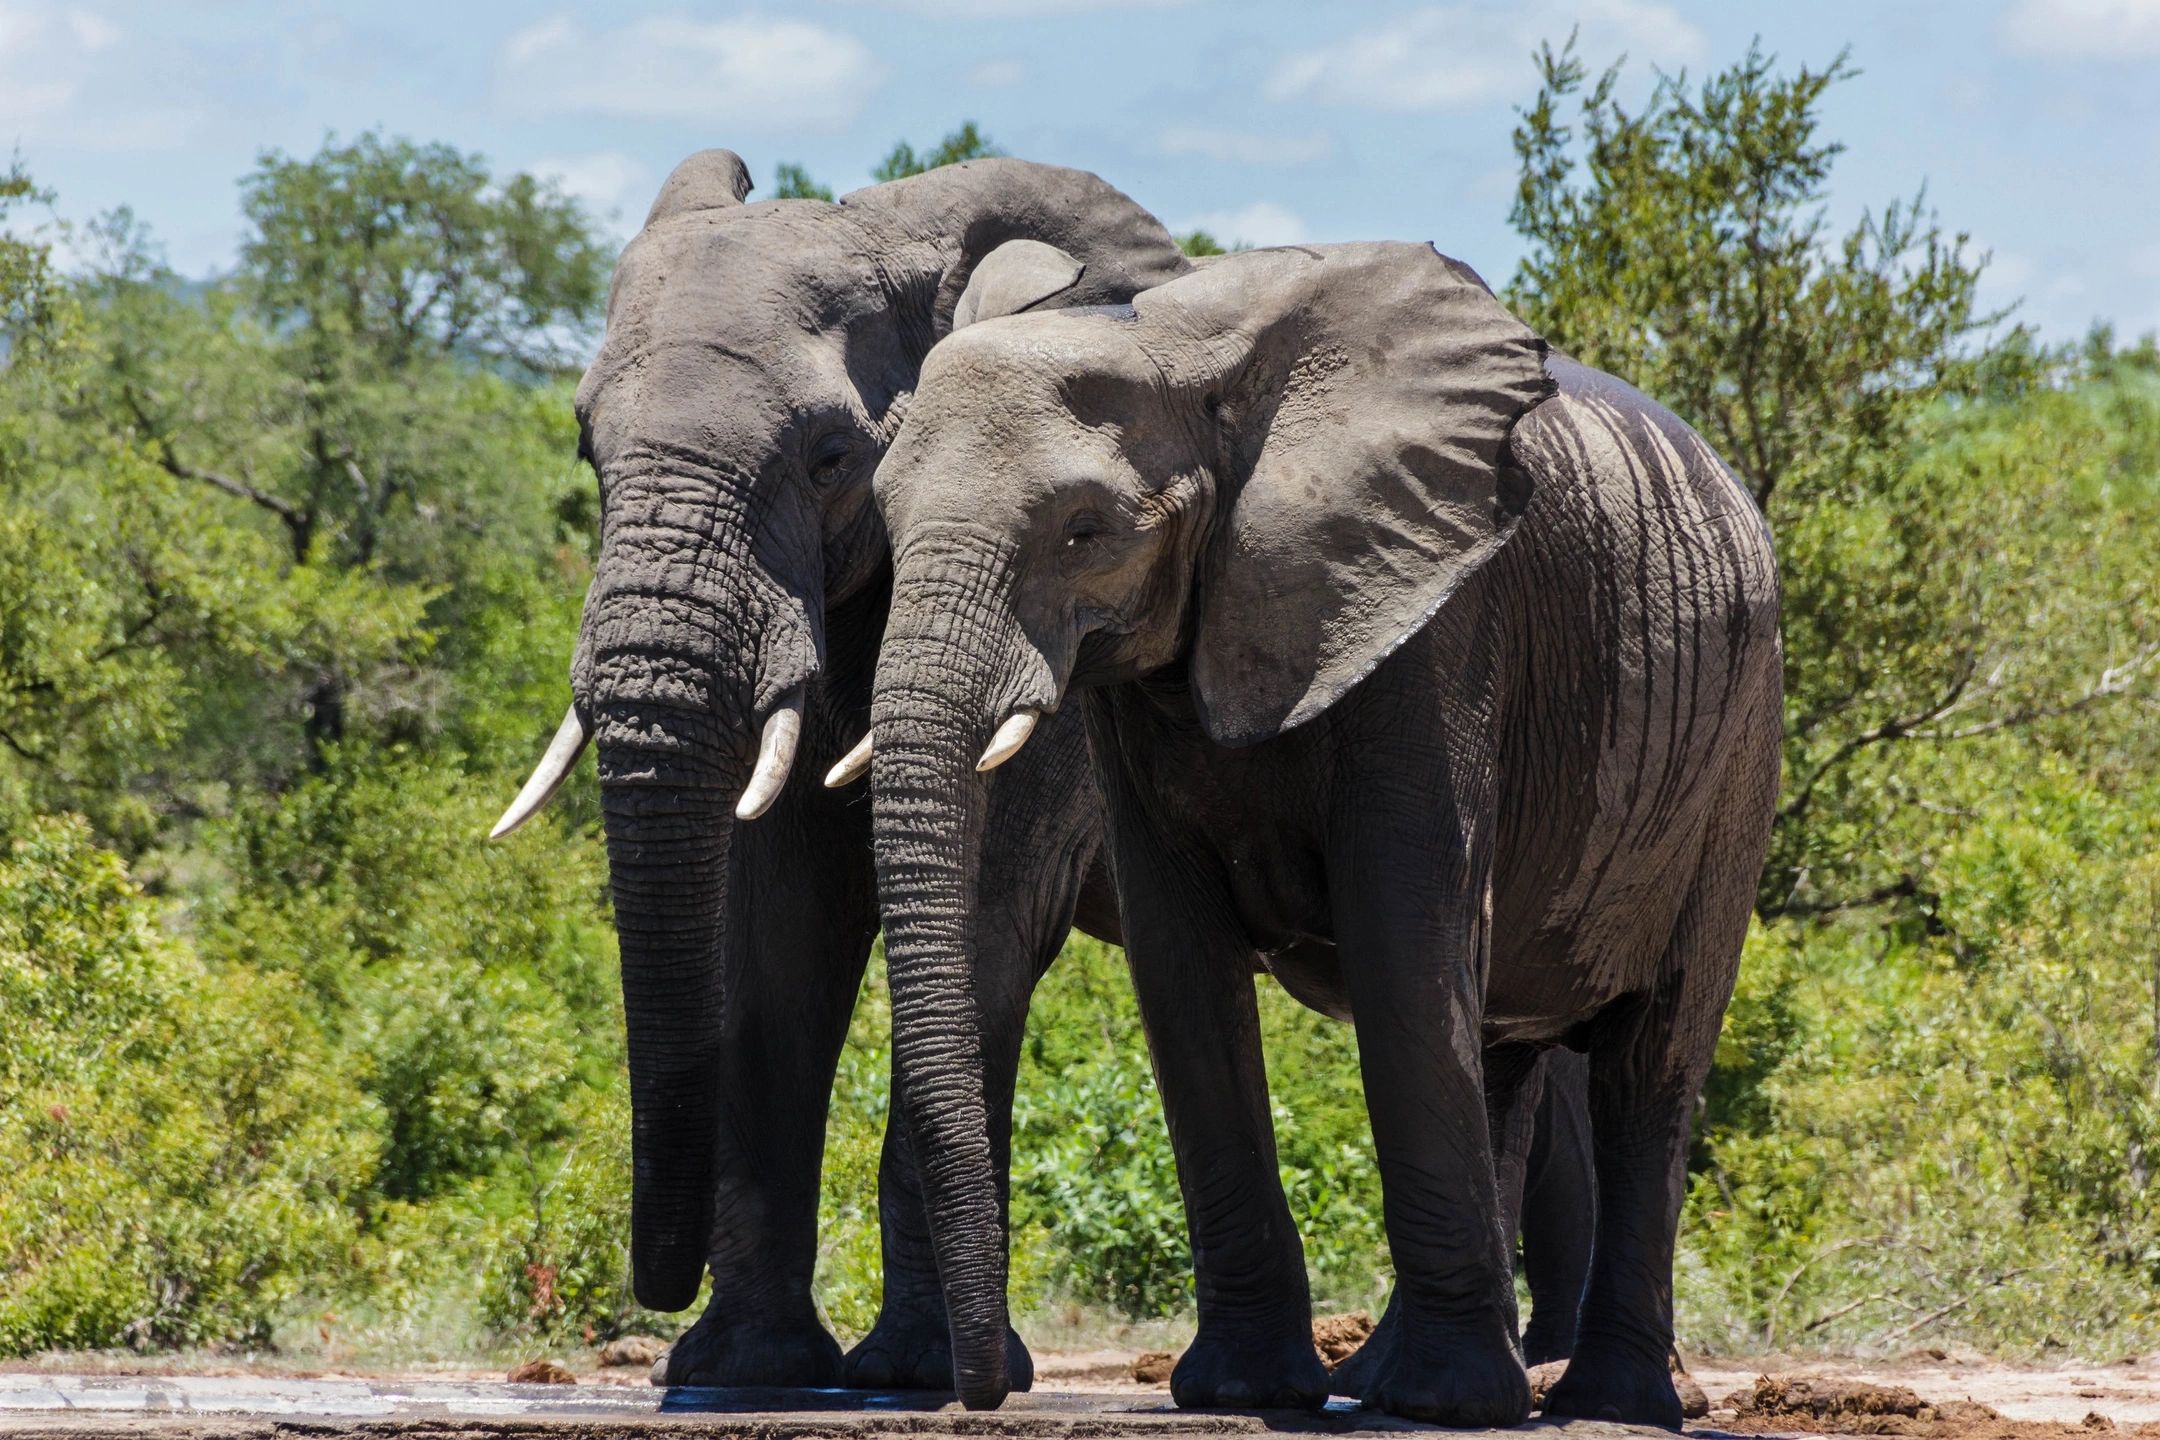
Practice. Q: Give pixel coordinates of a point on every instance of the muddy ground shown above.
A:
(1930, 1395)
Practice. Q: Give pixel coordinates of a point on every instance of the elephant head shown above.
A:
(756, 361)
(1270, 472)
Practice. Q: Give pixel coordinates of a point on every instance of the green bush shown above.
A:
(176, 1157)
(469, 988)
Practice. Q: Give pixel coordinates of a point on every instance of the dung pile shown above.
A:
(1337, 1337)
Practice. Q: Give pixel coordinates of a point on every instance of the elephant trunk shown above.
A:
(931, 722)
(668, 865)
(681, 666)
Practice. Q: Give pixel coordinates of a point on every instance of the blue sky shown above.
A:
(2034, 123)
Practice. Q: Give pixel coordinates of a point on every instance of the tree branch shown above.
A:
(278, 505)
(1889, 730)
(297, 520)
(21, 749)
(1905, 887)
(1904, 1331)
(2113, 681)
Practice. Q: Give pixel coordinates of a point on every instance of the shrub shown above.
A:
(175, 1157)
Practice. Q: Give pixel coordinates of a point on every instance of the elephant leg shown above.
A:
(1194, 980)
(1514, 1091)
(1559, 1204)
(1647, 1066)
(803, 916)
(1042, 834)
(1412, 918)
(1514, 1087)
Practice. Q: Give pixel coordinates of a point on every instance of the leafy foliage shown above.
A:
(792, 182)
(177, 1154)
(405, 248)
(966, 143)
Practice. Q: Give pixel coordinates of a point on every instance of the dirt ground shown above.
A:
(1933, 1395)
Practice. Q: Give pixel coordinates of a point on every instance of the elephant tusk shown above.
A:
(1008, 740)
(776, 757)
(555, 766)
(851, 765)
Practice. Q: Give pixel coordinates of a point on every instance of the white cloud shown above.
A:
(43, 52)
(64, 83)
(997, 74)
(1449, 56)
(752, 71)
(91, 30)
(1237, 147)
(2083, 29)
(1262, 223)
(1016, 9)
(606, 182)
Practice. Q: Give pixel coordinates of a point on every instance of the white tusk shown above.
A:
(547, 777)
(776, 756)
(851, 765)
(1008, 740)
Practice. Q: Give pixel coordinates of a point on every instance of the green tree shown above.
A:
(404, 248)
(1934, 1095)
(966, 143)
(121, 589)
(362, 392)
(1684, 245)
(792, 182)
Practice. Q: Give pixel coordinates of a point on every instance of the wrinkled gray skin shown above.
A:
(756, 361)
(1439, 670)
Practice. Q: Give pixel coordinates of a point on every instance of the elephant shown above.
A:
(1432, 665)
(756, 361)
(757, 358)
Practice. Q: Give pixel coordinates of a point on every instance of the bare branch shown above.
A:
(1843, 1310)
(2113, 681)
(1905, 887)
(1960, 1303)
(1770, 1325)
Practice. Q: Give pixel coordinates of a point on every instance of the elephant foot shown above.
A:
(719, 1352)
(1237, 1373)
(911, 1349)
(1602, 1384)
(1543, 1345)
(1450, 1379)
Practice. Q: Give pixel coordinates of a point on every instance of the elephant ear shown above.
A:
(708, 180)
(1017, 276)
(1364, 394)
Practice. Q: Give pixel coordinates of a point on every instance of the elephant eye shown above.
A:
(829, 461)
(1084, 532)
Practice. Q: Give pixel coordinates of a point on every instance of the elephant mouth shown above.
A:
(648, 756)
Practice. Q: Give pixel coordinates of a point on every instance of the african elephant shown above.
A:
(1408, 649)
(757, 359)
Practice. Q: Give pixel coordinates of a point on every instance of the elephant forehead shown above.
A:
(742, 275)
(1032, 364)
